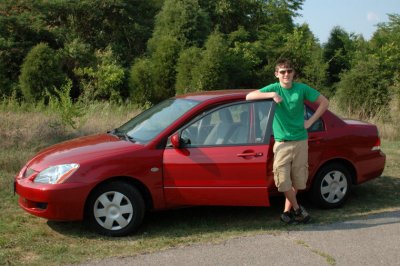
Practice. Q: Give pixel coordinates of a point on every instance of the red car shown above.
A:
(208, 148)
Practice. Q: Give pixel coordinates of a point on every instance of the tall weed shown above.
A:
(69, 112)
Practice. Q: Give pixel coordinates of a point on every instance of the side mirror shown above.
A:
(176, 141)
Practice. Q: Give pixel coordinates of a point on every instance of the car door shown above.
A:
(316, 142)
(223, 158)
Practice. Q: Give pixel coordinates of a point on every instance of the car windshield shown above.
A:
(144, 127)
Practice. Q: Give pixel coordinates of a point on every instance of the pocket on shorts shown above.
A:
(301, 178)
(282, 178)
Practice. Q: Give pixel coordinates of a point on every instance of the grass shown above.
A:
(28, 240)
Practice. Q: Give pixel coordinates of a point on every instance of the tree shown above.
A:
(20, 29)
(211, 72)
(163, 62)
(361, 90)
(228, 15)
(338, 54)
(184, 20)
(184, 68)
(180, 24)
(123, 25)
(103, 80)
(141, 82)
(366, 88)
(40, 72)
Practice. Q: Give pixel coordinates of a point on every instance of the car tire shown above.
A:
(331, 186)
(115, 209)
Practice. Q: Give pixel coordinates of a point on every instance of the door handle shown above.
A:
(247, 154)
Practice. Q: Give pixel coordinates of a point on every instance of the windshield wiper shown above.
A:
(112, 132)
(120, 134)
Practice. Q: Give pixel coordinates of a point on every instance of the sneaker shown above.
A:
(301, 215)
(287, 217)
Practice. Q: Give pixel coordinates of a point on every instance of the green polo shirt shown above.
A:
(288, 122)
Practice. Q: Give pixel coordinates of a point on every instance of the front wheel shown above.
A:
(115, 209)
(331, 186)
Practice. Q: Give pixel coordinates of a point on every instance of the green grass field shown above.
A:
(25, 239)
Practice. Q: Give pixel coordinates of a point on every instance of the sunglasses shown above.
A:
(283, 72)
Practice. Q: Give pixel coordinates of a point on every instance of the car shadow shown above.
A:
(191, 221)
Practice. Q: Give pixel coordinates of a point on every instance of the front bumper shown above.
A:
(61, 202)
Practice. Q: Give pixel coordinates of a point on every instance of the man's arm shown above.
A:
(258, 95)
(323, 104)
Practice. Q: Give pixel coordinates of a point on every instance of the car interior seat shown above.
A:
(240, 133)
(220, 131)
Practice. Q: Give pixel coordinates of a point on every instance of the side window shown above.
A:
(263, 121)
(318, 125)
(235, 124)
(223, 126)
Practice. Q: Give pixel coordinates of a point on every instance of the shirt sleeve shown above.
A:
(311, 94)
(269, 88)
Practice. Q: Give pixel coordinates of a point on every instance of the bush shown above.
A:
(104, 80)
(362, 90)
(62, 105)
(164, 61)
(212, 71)
(40, 72)
(188, 58)
(141, 82)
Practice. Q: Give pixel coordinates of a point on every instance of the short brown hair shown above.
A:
(286, 63)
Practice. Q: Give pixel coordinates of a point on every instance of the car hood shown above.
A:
(80, 150)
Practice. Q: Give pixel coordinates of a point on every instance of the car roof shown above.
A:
(216, 94)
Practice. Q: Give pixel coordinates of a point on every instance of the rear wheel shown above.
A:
(331, 186)
(115, 209)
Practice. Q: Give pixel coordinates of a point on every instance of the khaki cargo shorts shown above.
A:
(290, 165)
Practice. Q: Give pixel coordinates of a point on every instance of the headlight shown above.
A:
(56, 174)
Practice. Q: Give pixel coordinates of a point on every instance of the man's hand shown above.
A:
(277, 98)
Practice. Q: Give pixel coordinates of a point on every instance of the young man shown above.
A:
(290, 133)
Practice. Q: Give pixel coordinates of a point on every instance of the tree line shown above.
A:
(145, 51)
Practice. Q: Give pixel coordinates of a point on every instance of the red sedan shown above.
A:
(209, 148)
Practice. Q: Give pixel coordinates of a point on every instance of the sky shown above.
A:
(354, 16)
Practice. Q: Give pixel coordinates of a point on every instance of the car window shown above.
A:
(229, 125)
(318, 125)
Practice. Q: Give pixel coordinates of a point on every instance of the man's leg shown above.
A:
(291, 200)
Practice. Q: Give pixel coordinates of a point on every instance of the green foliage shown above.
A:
(188, 58)
(368, 86)
(62, 105)
(180, 23)
(211, 72)
(247, 58)
(362, 91)
(40, 71)
(338, 53)
(21, 27)
(122, 24)
(104, 80)
(183, 19)
(254, 16)
(163, 62)
(141, 82)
